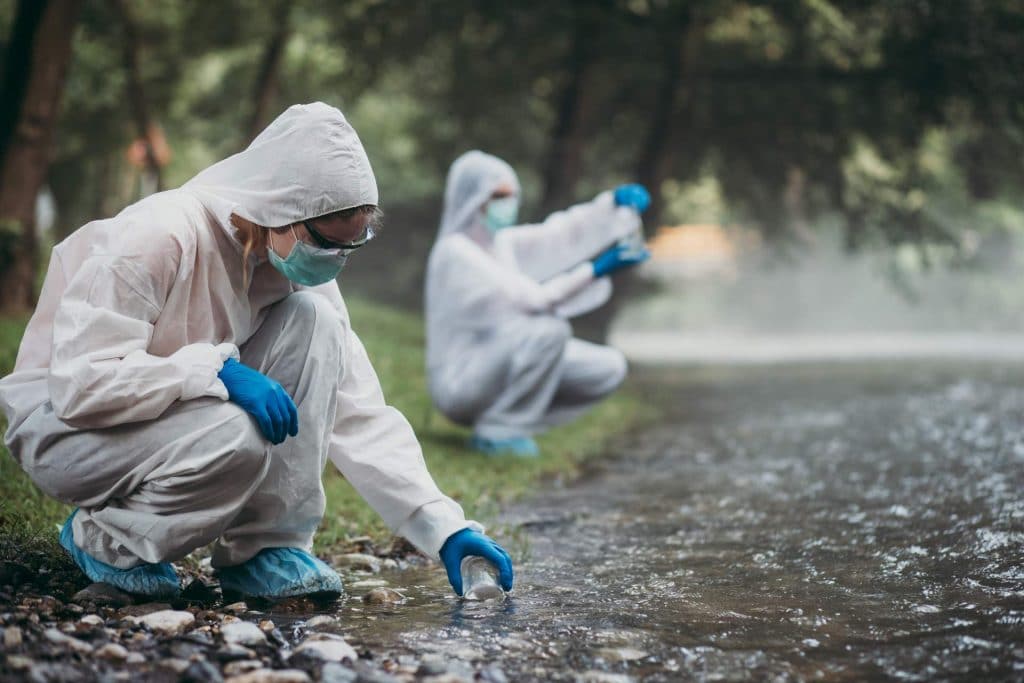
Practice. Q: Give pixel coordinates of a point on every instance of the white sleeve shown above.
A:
(566, 238)
(376, 450)
(101, 373)
(484, 273)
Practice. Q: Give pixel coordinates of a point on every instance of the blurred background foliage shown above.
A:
(901, 121)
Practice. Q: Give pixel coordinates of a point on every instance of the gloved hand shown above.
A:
(616, 258)
(467, 542)
(633, 195)
(263, 398)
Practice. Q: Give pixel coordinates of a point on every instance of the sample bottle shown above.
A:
(479, 579)
(633, 244)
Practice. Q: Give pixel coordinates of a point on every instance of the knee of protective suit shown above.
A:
(616, 370)
(547, 334)
(246, 458)
(309, 310)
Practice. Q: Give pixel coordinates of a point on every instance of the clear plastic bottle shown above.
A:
(480, 579)
(633, 243)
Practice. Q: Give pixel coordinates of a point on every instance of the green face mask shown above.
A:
(307, 265)
(501, 213)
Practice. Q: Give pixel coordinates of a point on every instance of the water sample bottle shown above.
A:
(479, 579)
(633, 244)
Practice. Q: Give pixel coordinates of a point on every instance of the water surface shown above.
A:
(831, 523)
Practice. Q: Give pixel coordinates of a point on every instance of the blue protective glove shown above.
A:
(276, 573)
(618, 257)
(263, 398)
(151, 580)
(467, 542)
(633, 195)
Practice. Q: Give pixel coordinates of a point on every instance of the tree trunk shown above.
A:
(39, 55)
(270, 67)
(672, 109)
(144, 126)
(564, 164)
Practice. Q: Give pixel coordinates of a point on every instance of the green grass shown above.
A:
(394, 340)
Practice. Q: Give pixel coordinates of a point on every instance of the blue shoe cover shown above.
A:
(276, 573)
(519, 446)
(151, 580)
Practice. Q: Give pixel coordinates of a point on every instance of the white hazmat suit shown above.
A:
(115, 404)
(500, 352)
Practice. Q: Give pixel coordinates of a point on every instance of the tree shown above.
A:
(36, 65)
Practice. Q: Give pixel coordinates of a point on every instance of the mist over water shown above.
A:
(826, 304)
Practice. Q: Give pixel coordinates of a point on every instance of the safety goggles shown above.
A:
(325, 243)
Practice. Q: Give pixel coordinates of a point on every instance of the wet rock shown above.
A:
(325, 647)
(113, 652)
(236, 608)
(168, 622)
(370, 675)
(174, 664)
(448, 678)
(185, 649)
(320, 621)
(358, 561)
(135, 658)
(232, 653)
(620, 654)
(102, 594)
(55, 673)
(91, 620)
(12, 638)
(432, 665)
(144, 609)
(241, 667)
(272, 676)
(277, 638)
(266, 625)
(242, 633)
(19, 663)
(66, 641)
(201, 672)
(493, 674)
(332, 672)
(603, 677)
(383, 596)
(368, 583)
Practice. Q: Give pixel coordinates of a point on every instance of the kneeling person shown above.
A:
(191, 368)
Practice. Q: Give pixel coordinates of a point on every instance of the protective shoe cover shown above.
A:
(151, 580)
(276, 573)
(519, 446)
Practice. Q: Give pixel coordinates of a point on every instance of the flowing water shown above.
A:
(838, 523)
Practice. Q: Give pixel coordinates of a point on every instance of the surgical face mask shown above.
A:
(307, 265)
(501, 213)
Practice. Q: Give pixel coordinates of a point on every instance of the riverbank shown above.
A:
(41, 608)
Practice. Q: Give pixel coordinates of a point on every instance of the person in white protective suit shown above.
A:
(191, 367)
(500, 353)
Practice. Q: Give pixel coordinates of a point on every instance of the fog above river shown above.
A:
(721, 299)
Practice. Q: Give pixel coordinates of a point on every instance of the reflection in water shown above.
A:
(812, 523)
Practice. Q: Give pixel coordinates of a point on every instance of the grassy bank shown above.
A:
(394, 341)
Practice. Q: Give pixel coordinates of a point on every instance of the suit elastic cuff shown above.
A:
(431, 525)
(202, 363)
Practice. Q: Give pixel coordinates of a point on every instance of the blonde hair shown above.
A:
(256, 238)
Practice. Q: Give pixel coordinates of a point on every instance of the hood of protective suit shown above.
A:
(307, 163)
(472, 180)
